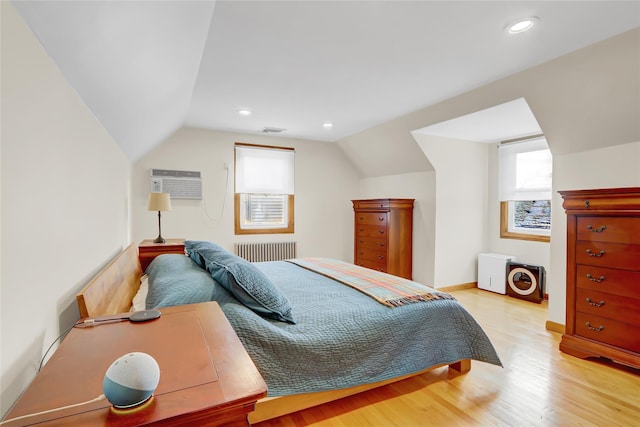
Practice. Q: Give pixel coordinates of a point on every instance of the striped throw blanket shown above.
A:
(385, 288)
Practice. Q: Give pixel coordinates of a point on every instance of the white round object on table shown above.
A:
(131, 379)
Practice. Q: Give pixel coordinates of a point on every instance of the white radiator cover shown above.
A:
(258, 252)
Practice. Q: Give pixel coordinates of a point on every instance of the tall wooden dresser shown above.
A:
(384, 235)
(603, 274)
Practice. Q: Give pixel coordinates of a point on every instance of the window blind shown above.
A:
(264, 170)
(266, 209)
(525, 170)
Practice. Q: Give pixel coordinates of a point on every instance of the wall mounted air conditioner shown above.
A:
(179, 184)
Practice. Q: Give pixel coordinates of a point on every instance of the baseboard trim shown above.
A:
(459, 287)
(555, 327)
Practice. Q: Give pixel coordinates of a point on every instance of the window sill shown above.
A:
(522, 236)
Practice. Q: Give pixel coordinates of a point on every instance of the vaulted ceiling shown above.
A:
(146, 68)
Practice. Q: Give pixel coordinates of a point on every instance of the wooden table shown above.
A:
(148, 250)
(206, 376)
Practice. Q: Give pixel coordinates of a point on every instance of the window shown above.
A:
(525, 171)
(264, 189)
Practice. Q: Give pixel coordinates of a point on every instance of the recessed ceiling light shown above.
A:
(522, 25)
(327, 125)
(244, 112)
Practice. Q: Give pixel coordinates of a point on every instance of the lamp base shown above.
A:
(160, 239)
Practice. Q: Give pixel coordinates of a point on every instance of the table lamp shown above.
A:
(159, 202)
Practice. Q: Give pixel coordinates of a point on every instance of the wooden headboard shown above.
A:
(113, 288)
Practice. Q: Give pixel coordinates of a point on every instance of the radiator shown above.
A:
(257, 252)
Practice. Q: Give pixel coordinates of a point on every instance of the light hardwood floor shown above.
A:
(538, 386)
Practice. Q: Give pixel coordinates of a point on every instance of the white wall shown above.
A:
(421, 187)
(64, 203)
(586, 100)
(611, 167)
(460, 206)
(325, 183)
(386, 151)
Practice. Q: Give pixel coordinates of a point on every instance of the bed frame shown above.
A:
(112, 290)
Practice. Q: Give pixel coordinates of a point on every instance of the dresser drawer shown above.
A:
(372, 242)
(608, 331)
(615, 255)
(615, 199)
(372, 204)
(371, 218)
(608, 305)
(370, 231)
(375, 255)
(619, 282)
(609, 229)
(371, 264)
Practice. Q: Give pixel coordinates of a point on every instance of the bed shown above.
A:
(314, 336)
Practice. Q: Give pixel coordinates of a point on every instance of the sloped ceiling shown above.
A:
(517, 121)
(134, 63)
(146, 68)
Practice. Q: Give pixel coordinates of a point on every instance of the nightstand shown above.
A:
(206, 376)
(147, 250)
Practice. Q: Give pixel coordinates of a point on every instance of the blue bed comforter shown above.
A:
(343, 338)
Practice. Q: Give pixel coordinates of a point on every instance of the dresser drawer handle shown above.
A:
(380, 256)
(381, 245)
(381, 231)
(380, 218)
(596, 230)
(595, 304)
(596, 279)
(599, 254)
(593, 328)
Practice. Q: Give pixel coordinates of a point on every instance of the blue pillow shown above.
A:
(248, 284)
(175, 279)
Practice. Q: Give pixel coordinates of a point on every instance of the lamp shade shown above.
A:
(159, 202)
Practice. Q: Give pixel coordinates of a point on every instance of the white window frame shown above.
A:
(248, 225)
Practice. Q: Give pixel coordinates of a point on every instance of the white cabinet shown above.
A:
(492, 272)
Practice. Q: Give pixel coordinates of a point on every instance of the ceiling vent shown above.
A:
(269, 129)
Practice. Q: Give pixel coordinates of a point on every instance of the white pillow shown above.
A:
(139, 302)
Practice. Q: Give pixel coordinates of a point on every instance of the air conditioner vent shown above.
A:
(270, 129)
(179, 184)
(175, 174)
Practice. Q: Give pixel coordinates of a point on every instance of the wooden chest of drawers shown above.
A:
(383, 235)
(603, 274)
